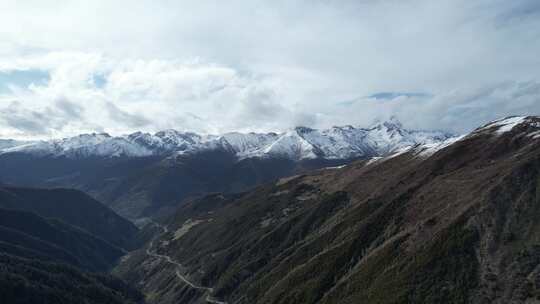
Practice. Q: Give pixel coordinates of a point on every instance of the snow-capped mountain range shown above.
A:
(300, 143)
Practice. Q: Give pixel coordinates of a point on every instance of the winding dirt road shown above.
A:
(168, 259)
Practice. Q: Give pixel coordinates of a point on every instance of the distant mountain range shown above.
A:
(297, 144)
(144, 175)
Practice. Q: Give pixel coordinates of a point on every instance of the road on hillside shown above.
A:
(168, 259)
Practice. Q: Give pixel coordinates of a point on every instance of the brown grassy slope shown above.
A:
(460, 226)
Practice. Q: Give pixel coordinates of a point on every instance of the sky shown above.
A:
(70, 67)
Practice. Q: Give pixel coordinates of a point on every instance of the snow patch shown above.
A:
(373, 160)
(506, 124)
(430, 149)
(335, 168)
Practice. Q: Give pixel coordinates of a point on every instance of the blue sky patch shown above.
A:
(22, 78)
(385, 96)
(99, 80)
(394, 95)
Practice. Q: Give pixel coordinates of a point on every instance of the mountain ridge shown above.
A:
(57, 245)
(72, 207)
(458, 224)
(338, 142)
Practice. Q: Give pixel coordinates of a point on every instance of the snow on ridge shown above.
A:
(243, 144)
(503, 125)
(83, 145)
(334, 167)
(507, 124)
(299, 143)
(373, 160)
(289, 145)
(431, 148)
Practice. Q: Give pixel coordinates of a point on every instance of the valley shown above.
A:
(349, 234)
(329, 234)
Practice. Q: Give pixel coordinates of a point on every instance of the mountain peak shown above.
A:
(393, 124)
(394, 121)
(302, 142)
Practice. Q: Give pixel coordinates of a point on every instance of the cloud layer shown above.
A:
(120, 66)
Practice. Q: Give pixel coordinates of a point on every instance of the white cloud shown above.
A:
(254, 65)
(137, 94)
(459, 110)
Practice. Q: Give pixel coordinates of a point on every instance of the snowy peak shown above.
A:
(528, 126)
(244, 144)
(291, 144)
(166, 141)
(504, 125)
(84, 145)
(523, 126)
(392, 124)
(338, 142)
(346, 142)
